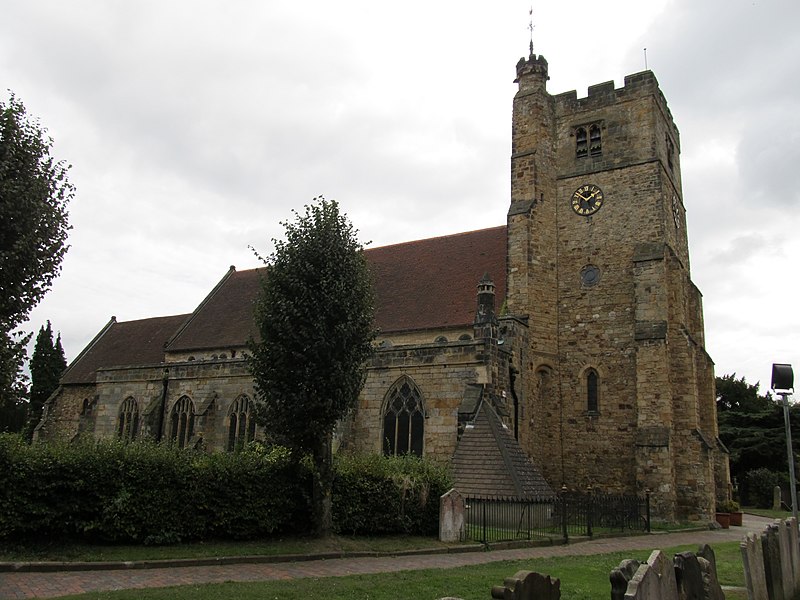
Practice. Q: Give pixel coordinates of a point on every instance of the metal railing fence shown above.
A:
(496, 519)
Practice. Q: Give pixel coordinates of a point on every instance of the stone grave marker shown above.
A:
(620, 577)
(753, 563)
(688, 576)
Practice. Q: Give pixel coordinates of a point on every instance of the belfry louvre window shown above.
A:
(241, 423)
(595, 143)
(182, 422)
(128, 421)
(591, 391)
(581, 146)
(403, 420)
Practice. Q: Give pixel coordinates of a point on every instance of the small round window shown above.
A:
(590, 275)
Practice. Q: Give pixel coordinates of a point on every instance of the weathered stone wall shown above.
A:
(211, 385)
(441, 372)
(637, 323)
(67, 414)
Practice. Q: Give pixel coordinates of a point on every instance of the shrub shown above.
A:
(144, 492)
(376, 495)
(151, 493)
(757, 486)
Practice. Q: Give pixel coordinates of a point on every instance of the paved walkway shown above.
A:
(51, 585)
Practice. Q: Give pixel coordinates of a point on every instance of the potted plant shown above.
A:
(723, 514)
(736, 514)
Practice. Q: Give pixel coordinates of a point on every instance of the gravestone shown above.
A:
(708, 565)
(688, 576)
(787, 576)
(620, 577)
(644, 585)
(451, 516)
(794, 551)
(753, 563)
(772, 562)
(776, 498)
(527, 585)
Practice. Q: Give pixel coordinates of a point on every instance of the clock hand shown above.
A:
(582, 197)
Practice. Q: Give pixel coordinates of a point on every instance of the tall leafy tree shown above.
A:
(47, 365)
(751, 425)
(34, 194)
(315, 320)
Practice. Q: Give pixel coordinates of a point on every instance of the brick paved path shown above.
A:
(51, 585)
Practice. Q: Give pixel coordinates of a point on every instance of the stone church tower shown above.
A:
(619, 391)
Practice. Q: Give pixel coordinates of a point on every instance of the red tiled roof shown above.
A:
(121, 344)
(432, 283)
(424, 284)
(225, 317)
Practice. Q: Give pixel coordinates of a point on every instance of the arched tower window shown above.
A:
(595, 143)
(182, 422)
(592, 381)
(241, 423)
(403, 419)
(581, 146)
(128, 420)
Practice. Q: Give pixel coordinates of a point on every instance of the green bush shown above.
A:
(149, 493)
(757, 485)
(145, 493)
(374, 495)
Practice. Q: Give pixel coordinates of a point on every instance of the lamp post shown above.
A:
(783, 385)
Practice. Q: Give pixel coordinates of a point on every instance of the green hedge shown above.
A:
(375, 495)
(155, 494)
(146, 493)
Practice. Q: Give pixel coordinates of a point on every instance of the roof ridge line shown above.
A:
(436, 237)
(111, 322)
(205, 301)
(497, 432)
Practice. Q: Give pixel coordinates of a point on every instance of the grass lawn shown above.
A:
(767, 512)
(582, 577)
(272, 547)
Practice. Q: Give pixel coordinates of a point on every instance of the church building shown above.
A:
(571, 337)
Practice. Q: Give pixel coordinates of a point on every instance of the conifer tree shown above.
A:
(47, 365)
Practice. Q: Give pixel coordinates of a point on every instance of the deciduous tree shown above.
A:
(315, 320)
(34, 193)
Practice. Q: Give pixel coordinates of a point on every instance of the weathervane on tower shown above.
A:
(530, 28)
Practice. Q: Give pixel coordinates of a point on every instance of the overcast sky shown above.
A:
(194, 127)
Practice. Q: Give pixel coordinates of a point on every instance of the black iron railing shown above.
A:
(495, 519)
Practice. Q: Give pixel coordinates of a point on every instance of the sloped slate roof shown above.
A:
(418, 285)
(432, 283)
(490, 462)
(121, 344)
(424, 284)
(225, 317)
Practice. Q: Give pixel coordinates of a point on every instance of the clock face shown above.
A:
(587, 199)
(676, 211)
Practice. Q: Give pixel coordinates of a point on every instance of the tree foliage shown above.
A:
(315, 321)
(34, 193)
(751, 426)
(47, 365)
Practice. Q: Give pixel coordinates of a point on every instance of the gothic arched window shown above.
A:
(581, 147)
(241, 423)
(592, 378)
(595, 145)
(403, 419)
(182, 422)
(128, 420)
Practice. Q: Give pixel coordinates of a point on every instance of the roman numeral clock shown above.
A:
(587, 199)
